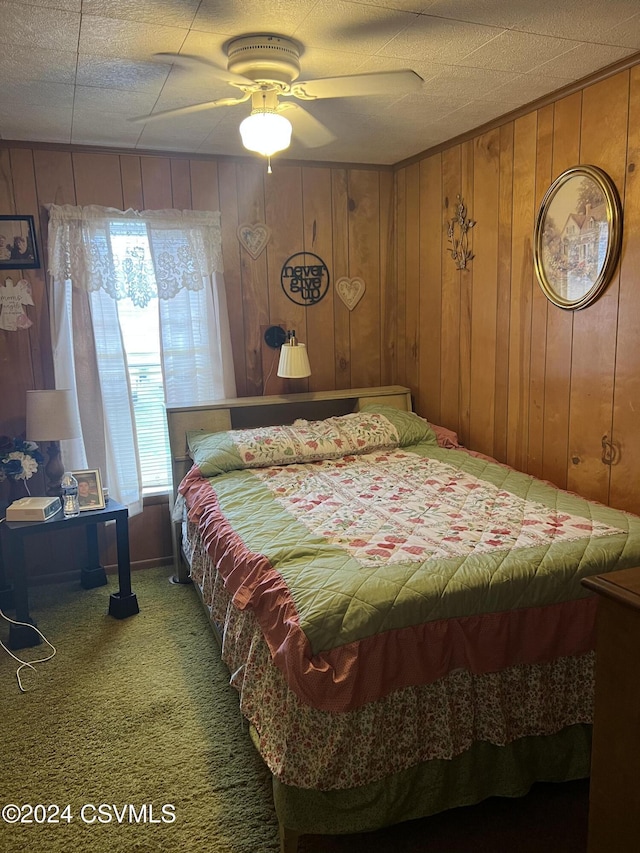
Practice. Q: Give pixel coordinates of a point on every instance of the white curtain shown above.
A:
(88, 275)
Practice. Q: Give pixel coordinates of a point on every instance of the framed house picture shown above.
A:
(18, 247)
(577, 237)
(90, 495)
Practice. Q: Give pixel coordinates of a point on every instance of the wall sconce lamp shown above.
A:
(265, 130)
(294, 361)
(51, 417)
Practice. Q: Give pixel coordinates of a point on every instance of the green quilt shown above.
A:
(403, 553)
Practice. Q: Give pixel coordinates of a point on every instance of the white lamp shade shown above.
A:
(51, 416)
(265, 133)
(294, 361)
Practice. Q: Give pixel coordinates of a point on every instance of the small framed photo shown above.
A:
(90, 494)
(18, 247)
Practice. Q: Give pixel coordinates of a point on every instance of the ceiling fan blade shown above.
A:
(374, 83)
(307, 129)
(189, 60)
(192, 108)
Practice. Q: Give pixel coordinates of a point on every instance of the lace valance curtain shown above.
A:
(185, 249)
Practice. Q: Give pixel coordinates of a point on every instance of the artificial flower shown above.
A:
(19, 459)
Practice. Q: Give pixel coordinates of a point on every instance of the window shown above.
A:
(140, 327)
(139, 320)
(141, 336)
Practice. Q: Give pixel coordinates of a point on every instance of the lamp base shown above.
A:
(54, 470)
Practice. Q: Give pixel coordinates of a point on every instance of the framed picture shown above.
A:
(90, 495)
(18, 247)
(577, 237)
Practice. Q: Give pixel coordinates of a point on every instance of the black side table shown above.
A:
(121, 604)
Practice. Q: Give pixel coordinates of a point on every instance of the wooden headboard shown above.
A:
(247, 412)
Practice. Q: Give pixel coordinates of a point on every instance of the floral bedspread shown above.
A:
(371, 574)
(413, 509)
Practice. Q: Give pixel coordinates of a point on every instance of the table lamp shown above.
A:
(51, 417)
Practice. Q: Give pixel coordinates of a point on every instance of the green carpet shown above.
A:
(139, 712)
(134, 711)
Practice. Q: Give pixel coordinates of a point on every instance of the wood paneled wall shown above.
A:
(342, 214)
(482, 349)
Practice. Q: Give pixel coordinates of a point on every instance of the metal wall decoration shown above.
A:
(350, 290)
(304, 278)
(458, 235)
(254, 238)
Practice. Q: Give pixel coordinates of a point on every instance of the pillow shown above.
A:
(304, 441)
(446, 437)
(412, 429)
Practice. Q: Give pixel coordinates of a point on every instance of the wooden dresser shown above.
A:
(614, 809)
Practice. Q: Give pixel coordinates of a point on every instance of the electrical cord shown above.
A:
(25, 663)
(276, 357)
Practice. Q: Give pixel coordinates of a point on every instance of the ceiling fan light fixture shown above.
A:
(264, 67)
(265, 132)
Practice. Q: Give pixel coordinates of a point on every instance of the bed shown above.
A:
(403, 619)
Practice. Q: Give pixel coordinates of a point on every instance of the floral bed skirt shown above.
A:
(315, 749)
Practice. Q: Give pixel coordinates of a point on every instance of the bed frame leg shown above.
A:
(288, 840)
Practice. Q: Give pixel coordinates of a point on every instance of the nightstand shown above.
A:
(614, 795)
(121, 604)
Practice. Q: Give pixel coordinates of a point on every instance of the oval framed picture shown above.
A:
(577, 237)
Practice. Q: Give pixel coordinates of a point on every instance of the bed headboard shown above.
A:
(247, 412)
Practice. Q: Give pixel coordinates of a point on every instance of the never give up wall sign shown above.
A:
(304, 278)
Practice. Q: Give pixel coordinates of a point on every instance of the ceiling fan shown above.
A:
(264, 68)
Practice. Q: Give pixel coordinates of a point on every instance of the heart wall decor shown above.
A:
(351, 291)
(254, 238)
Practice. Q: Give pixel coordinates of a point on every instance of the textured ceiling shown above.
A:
(74, 71)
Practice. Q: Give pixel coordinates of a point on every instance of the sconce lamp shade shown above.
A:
(51, 416)
(294, 361)
(265, 132)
